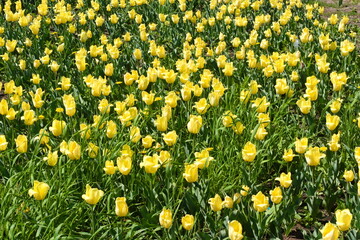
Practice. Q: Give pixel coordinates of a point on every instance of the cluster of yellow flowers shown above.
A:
(132, 84)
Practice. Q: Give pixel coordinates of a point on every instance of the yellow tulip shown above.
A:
(330, 232)
(194, 124)
(29, 117)
(332, 121)
(4, 107)
(150, 163)
(147, 141)
(135, 134)
(357, 155)
(51, 158)
(228, 202)
(161, 123)
(281, 86)
(70, 105)
(187, 222)
(215, 203)
(284, 179)
(3, 143)
(301, 145)
(235, 230)
(276, 195)
(288, 155)
(109, 69)
(334, 142)
(191, 173)
(92, 195)
(245, 190)
(261, 202)
(39, 190)
(304, 105)
(313, 156)
(349, 175)
(111, 129)
(73, 150)
(21, 143)
(261, 133)
(335, 106)
(170, 138)
(148, 98)
(343, 219)
(249, 152)
(203, 159)
(202, 106)
(57, 127)
(121, 207)
(261, 104)
(124, 164)
(171, 99)
(165, 218)
(109, 167)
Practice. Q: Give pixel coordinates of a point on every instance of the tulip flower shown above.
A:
(349, 175)
(29, 117)
(276, 195)
(70, 105)
(161, 123)
(147, 141)
(39, 190)
(194, 124)
(261, 104)
(285, 180)
(165, 218)
(73, 150)
(203, 158)
(111, 129)
(304, 105)
(249, 152)
(330, 232)
(92, 195)
(150, 163)
(281, 86)
(171, 99)
(261, 202)
(313, 156)
(332, 121)
(235, 230)
(57, 127)
(3, 143)
(301, 145)
(135, 134)
(121, 207)
(343, 219)
(288, 155)
(191, 173)
(124, 164)
(334, 142)
(52, 158)
(228, 202)
(215, 203)
(187, 222)
(21, 143)
(109, 167)
(170, 138)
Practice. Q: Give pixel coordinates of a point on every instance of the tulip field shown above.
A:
(178, 119)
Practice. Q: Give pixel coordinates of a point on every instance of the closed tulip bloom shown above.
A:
(301, 145)
(215, 203)
(150, 164)
(92, 195)
(57, 127)
(285, 180)
(357, 155)
(52, 158)
(39, 190)
(171, 99)
(135, 134)
(165, 218)
(349, 175)
(170, 138)
(330, 232)
(261, 133)
(3, 143)
(203, 158)
(111, 129)
(304, 105)
(21, 143)
(147, 141)
(70, 105)
(335, 106)
(313, 156)
(124, 164)
(281, 86)
(161, 123)
(4, 107)
(137, 54)
(191, 173)
(121, 207)
(74, 150)
(187, 222)
(195, 123)
(235, 230)
(109, 69)
(276, 195)
(332, 121)
(229, 69)
(288, 155)
(249, 152)
(343, 219)
(261, 202)
(148, 98)
(109, 167)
